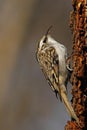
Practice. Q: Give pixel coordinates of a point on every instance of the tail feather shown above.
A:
(68, 106)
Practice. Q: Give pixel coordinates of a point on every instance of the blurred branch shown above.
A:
(78, 24)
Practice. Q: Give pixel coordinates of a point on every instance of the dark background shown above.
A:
(26, 100)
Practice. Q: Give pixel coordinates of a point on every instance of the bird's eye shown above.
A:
(45, 40)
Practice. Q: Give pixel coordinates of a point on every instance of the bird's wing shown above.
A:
(49, 63)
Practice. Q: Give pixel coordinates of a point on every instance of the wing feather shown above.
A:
(49, 63)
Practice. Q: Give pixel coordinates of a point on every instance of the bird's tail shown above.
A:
(68, 106)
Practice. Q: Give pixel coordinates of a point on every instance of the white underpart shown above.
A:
(61, 51)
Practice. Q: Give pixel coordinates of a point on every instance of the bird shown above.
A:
(52, 56)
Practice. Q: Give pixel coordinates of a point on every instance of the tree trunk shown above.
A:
(78, 24)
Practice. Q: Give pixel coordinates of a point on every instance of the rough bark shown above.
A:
(78, 24)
